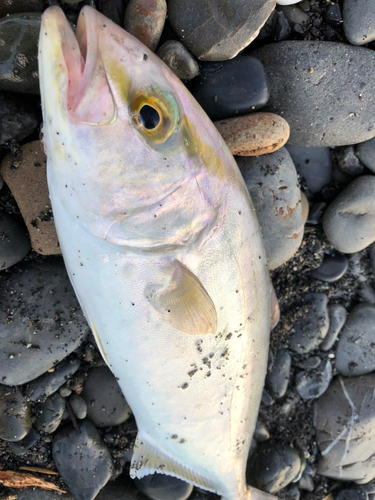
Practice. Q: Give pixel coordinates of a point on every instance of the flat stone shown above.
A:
(331, 269)
(78, 405)
(314, 165)
(273, 186)
(145, 20)
(255, 134)
(28, 183)
(178, 59)
(231, 88)
(277, 378)
(14, 241)
(349, 221)
(162, 487)
(106, 405)
(312, 325)
(15, 414)
(315, 86)
(366, 153)
(337, 317)
(41, 320)
(311, 384)
(359, 21)
(218, 31)
(50, 414)
(355, 354)
(19, 53)
(17, 119)
(345, 429)
(19, 448)
(83, 460)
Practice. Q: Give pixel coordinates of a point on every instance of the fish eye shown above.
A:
(148, 117)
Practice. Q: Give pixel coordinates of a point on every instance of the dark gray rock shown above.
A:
(38, 494)
(50, 414)
(359, 21)
(312, 325)
(78, 406)
(17, 6)
(41, 321)
(19, 448)
(106, 405)
(162, 487)
(337, 317)
(349, 221)
(17, 120)
(217, 31)
(267, 400)
(348, 161)
(367, 294)
(273, 186)
(366, 153)
(178, 59)
(19, 53)
(122, 488)
(311, 384)
(275, 29)
(316, 86)
(14, 241)
(332, 268)
(114, 10)
(15, 414)
(83, 460)
(355, 353)
(365, 492)
(332, 15)
(277, 379)
(345, 429)
(314, 165)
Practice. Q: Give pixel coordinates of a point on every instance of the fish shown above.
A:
(163, 248)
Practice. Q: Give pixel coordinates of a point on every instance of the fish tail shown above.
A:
(252, 494)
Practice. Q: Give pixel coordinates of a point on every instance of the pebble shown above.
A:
(42, 321)
(20, 447)
(306, 483)
(337, 317)
(255, 134)
(311, 384)
(122, 488)
(217, 31)
(277, 379)
(38, 494)
(19, 53)
(314, 165)
(231, 88)
(359, 493)
(367, 294)
(27, 179)
(349, 221)
(305, 207)
(291, 492)
(359, 21)
(65, 391)
(106, 405)
(16, 6)
(15, 414)
(355, 353)
(261, 432)
(273, 186)
(273, 467)
(83, 460)
(366, 153)
(162, 487)
(50, 382)
(294, 14)
(312, 325)
(178, 59)
(316, 213)
(332, 15)
(275, 29)
(78, 405)
(17, 119)
(332, 268)
(345, 429)
(304, 75)
(50, 414)
(145, 20)
(348, 161)
(14, 241)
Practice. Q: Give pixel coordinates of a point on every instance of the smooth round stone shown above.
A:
(14, 241)
(50, 414)
(83, 460)
(345, 429)
(8, 7)
(178, 59)
(273, 186)
(20, 447)
(145, 20)
(261, 433)
(41, 320)
(359, 21)
(277, 379)
(367, 293)
(294, 14)
(331, 269)
(19, 53)
(337, 317)
(312, 325)
(106, 405)
(349, 221)
(355, 353)
(231, 88)
(15, 414)
(162, 487)
(315, 86)
(311, 384)
(215, 31)
(348, 161)
(255, 134)
(314, 165)
(273, 467)
(306, 483)
(17, 119)
(366, 153)
(78, 405)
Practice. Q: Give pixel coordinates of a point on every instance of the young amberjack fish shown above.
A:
(162, 246)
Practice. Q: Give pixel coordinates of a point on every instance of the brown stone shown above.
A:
(26, 178)
(145, 20)
(255, 134)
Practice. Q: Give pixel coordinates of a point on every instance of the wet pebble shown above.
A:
(359, 21)
(261, 432)
(145, 20)
(15, 414)
(178, 59)
(337, 317)
(366, 153)
(17, 119)
(50, 414)
(162, 487)
(19, 448)
(313, 164)
(332, 268)
(277, 379)
(78, 405)
(348, 161)
(14, 241)
(311, 384)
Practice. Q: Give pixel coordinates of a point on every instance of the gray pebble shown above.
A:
(179, 60)
(332, 268)
(50, 414)
(349, 221)
(355, 353)
(17, 120)
(294, 14)
(311, 384)
(267, 400)
(337, 317)
(122, 488)
(348, 161)
(304, 75)
(277, 379)
(14, 241)
(312, 325)
(306, 483)
(162, 487)
(366, 153)
(291, 492)
(314, 165)
(19, 448)
(367, 294)
(65, 392)
(359, 21)
(78, 405)
(15, 415)
(310, 363)
(316, 213)
(39, 494)
(261, 433)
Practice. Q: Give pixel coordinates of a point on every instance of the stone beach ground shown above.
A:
(268, 75)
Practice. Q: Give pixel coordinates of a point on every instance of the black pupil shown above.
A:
(148, 117)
